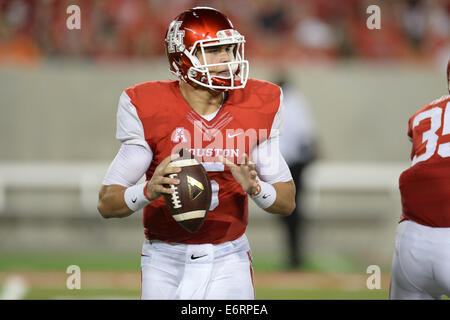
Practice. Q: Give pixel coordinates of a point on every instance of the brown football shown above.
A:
(190, 202)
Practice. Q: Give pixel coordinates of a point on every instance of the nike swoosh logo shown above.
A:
(134, 200)
(266, 196)
(233, 135)
(193, 258)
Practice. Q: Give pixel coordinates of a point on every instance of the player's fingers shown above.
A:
(174, 156)
(243, 160)
(246, 159)
(168, 180)
(227, 162)
(253, 174)
(168, 159)
(161, 189)
(160, 180)
(161, 168)
(248, 162)
(170, 169)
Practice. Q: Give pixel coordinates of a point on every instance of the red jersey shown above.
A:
(244, 120)
(425, 186)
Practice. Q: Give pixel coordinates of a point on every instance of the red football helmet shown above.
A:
(196, 29)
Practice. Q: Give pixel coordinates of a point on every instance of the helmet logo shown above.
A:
(225, 33)
(175, 38)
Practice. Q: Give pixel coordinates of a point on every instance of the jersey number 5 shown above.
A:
(430, 135)
(209, 167)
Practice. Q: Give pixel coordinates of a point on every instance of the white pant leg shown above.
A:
(441, 266)
(198, 265)
(160, 273)
(401, 287)
(232, 275)
(232, 279)
(205, 271)
(420, 253)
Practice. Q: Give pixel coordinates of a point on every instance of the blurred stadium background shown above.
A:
(59, 91)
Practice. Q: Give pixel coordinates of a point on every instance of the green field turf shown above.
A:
(53, 261)
(320, 294)
(128, 262)
(131, 262)
(261, 294)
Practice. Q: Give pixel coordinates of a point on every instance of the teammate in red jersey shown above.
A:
(421, 262)
(231, 124)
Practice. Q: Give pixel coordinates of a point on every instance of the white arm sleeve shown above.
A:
(277, 123)
(135, 155)
(269, 162)
(129, 127)
(129, 165)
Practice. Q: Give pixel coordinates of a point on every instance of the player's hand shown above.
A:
(245, 174)
(155, 186)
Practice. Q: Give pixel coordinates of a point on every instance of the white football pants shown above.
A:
(421, 262)
(197, 271)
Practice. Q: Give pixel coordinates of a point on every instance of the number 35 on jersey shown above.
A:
(429, 129)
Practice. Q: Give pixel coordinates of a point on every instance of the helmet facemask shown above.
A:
(238, 68)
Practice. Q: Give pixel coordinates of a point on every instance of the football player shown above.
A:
(421, 260)
(227, 121)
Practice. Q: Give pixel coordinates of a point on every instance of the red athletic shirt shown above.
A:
(169, 123)
(425, 186)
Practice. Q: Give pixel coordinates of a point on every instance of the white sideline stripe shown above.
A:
(183, 163)
(189, 215)
(321, 177)
(15, 288)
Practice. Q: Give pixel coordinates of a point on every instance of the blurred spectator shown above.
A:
(414, 22)
(16, 43)
(271, 16)
(299, 147)
(314, 34)
(438, 38)
(386, 43)
(288, 30)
